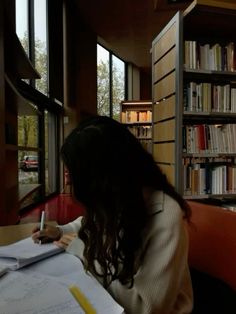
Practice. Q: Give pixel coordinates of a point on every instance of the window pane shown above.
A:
(28, 161)
(22, 23)
(40, 29)
(118, 85)
(50, 153)
(28, 131)
(103, 83)
(28, 177)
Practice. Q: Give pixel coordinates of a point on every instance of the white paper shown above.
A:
(3, 270)
(23, 252)
(35, 294)
(68, 270)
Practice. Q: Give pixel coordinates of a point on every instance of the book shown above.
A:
(25, 252)
(44, 287)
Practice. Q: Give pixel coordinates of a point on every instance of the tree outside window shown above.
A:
(110, 83)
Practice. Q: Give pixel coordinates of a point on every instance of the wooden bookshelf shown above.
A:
(137, 116)
(194, 100)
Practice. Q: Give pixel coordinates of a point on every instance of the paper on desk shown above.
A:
(24, 252)
(34, 294)
(3, 270)
(68, 270)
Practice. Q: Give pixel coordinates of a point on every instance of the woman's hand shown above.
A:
(65, 240)
(48, 234)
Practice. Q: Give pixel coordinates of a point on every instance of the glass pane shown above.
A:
(40, 29)
(28, 131)
(50, 153)
(118, 85)
(103, 82)
(28, 177)
(22, 23)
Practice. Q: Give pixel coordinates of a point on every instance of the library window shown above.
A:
(38, 120)
(110, 83)
(31, 28)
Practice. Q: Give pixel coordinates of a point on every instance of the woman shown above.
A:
(132, 237)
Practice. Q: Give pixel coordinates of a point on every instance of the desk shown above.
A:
(13, 233)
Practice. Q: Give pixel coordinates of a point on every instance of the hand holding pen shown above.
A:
(45, 233)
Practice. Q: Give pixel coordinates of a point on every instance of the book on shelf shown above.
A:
(27, 286)
(212, 57)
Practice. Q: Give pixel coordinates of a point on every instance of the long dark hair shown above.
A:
(109, 170)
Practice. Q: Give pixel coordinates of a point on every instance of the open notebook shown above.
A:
(25, 252)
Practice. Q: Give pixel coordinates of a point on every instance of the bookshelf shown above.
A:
(14, 66)
(194, 100)
(137, 116)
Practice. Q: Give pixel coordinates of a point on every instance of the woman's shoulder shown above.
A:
(161, 202)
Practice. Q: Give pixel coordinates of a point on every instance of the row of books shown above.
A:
(212, 138)
(207, 97)
(141, 132)
(131, 116)
(201, 179)
(214, 57)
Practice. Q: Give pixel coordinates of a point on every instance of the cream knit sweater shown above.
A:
(162, 285)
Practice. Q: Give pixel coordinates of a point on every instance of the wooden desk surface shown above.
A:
(13, 233)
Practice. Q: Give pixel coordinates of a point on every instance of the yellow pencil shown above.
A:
(82, 300)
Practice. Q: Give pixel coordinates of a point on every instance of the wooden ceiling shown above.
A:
(127, 27)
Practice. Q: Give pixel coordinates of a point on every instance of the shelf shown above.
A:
(144, 138)
(136, 115)
(208, 15)
(146, 123)
(177, 132)
(210, 114)
(204, 196)
(208, 75)
(208, 155)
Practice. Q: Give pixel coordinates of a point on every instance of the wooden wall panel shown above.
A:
(165, 43)
(169, 171)
(164, 109)
(164, 152)
(165, 87)
(164, 131)
(165, 65)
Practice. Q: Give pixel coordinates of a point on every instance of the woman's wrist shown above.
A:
(59, 233)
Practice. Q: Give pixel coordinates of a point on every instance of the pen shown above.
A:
(42, 221)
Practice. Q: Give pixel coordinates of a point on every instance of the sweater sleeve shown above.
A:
(73, 226)
(162, 284)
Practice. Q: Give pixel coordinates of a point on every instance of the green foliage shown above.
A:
(41, 66)
(40, 62)
(103, 89)
(27, 132)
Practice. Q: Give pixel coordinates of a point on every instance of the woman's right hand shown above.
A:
(65, 240)
(48, 234)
